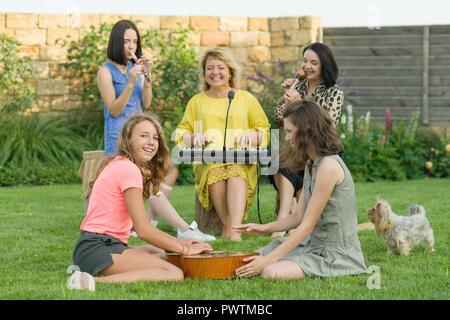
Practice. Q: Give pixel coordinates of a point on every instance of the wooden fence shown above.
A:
(401, 68)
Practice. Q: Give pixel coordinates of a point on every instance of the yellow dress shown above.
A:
(207, 115)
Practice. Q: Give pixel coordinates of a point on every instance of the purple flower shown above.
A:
(256, 78)
(281, 63)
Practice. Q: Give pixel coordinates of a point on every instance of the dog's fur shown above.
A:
(401, 233)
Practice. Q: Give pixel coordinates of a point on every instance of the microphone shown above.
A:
(230, 95)
(230, 99)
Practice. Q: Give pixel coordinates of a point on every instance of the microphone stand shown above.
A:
(230, 99)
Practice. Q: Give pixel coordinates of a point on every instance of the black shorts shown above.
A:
(93, 251)
(294, 177)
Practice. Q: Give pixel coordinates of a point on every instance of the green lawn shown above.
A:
(39, 227)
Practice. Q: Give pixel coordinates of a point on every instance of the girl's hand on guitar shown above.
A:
(197, 248)
(189, 241)
(255, 267)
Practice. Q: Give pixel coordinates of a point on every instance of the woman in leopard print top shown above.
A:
(318, 85)
(331, 99)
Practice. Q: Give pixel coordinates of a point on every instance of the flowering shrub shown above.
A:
(397, 152)
(401, 150)
(438, 153)
(16, 74)
(265, 84)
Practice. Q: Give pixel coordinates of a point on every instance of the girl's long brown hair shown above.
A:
(153, 171)
(314, 129)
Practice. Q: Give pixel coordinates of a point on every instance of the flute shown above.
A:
(146, 76)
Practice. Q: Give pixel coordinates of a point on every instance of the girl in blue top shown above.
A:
(125, 91)
(122, 86)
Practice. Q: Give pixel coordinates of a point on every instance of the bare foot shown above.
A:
(226, 233)
(235, 237)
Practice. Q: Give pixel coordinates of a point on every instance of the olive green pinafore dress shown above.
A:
(333, 248)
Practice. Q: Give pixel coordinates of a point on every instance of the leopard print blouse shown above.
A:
(330, 99)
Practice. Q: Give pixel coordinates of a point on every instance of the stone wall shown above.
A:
(253, 41)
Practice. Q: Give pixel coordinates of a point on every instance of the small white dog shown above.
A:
(401, 233)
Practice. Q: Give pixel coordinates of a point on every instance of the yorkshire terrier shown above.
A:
(401, 233)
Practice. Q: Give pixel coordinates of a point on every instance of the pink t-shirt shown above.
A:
(107, 212)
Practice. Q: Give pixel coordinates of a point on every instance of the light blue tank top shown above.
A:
(113, 125)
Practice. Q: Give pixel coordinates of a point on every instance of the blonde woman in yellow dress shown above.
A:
(228, 187)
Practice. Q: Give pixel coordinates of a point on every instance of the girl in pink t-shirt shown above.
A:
(117, 205)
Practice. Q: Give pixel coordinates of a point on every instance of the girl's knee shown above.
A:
(177, 273)
(277, 271)
(270, 272)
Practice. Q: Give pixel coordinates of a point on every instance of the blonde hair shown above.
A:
(226, 57)
(153, 171)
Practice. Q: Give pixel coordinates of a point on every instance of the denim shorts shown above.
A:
(93, 251)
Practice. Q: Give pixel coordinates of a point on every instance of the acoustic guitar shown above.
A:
(212, 265)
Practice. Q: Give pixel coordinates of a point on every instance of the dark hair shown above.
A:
(328, 64)
(116, 43)
(314, 128)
